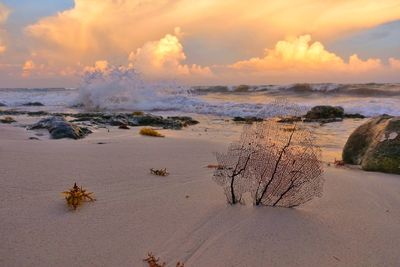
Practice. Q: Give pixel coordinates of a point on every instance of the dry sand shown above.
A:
(180, 217)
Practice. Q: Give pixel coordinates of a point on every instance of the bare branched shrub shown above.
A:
(278, 164)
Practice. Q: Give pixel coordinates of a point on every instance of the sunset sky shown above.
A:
(46, 43)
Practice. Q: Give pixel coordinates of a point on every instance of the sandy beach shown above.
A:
(200, 133)
(181, 217)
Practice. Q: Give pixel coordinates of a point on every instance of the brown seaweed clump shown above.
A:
(159, 172)
(152, 261)
(77, 195)
(150, 132)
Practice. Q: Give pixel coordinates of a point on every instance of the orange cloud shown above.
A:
(4, 12)
(164, 59)
(108, 28)
(300, 55)
(28, 67)
(99, 65)
(113, 29)
(394, 63)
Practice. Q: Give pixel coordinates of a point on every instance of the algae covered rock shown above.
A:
(375, 145)
(248, 120)
(135, 119)
(325, 112)
(59, 128)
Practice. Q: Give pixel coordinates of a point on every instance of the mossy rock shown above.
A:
(375, 145)
(325, 112)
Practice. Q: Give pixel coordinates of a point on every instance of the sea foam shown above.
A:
(119, 88)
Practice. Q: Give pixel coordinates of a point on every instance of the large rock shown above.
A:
(59, 128)
(375, 145)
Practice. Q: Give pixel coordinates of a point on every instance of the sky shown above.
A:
(47, 43)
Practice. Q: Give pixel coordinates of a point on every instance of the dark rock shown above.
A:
(33, 138)
(354, 116)
(2, 105)
(37, 104)
(247, 119)
(156, 121)
(324, 112)
(12, 112)
(375, 145)
(323, 121)
(38, 113)
(7, 120)
(59, 128)
(291, 119)
(187, 121)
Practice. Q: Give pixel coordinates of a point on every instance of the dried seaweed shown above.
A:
(152, 261)
(159, 172)
(77, 195)
(338, 163)
(215, 166)
(150, 132)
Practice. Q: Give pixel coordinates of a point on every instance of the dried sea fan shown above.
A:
(279, 165)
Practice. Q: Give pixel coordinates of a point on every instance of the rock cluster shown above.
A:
(59, 127)
(135, 119)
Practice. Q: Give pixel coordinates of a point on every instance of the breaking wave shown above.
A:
(124, 89)
(362, 90)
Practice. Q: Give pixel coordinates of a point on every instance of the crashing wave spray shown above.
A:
(124, 88)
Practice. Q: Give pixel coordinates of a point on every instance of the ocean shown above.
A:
(243, 100)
